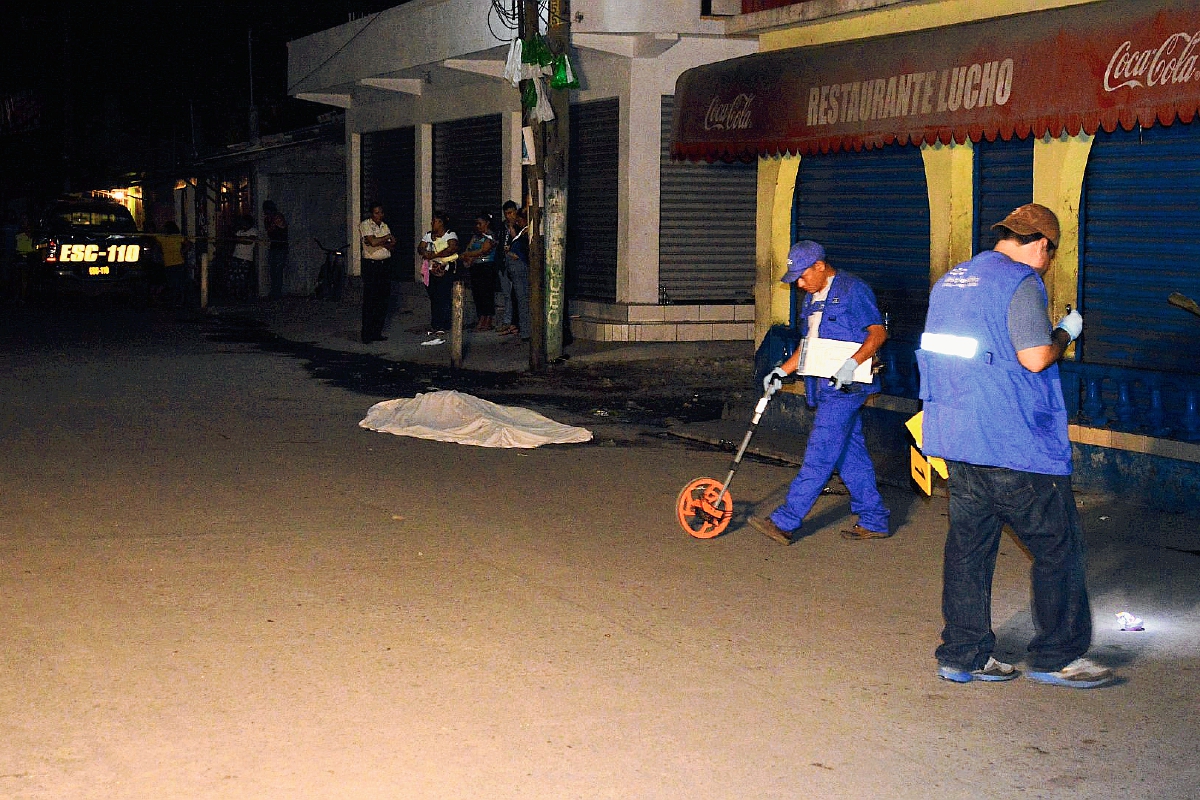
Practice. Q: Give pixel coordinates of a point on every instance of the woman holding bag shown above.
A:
(439, 248)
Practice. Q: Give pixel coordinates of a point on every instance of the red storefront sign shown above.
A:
(1118, 62)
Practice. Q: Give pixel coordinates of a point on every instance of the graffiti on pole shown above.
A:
(556, 248)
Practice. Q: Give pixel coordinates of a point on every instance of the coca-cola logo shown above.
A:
(1173, 61)
(731, 116)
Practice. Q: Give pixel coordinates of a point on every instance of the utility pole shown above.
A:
(558, 140)
(533, 183)
(546, 197)
(250, 62)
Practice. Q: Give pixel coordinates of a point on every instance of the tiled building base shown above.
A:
(616, 322)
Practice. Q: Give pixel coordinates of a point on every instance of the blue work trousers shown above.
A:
(1041, 510)
(835, 443)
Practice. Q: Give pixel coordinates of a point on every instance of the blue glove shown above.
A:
(845, 374)
(774, 380)
(1072, 323)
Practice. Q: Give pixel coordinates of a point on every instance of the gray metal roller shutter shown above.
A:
(592, 203)
(1003, 181)
(389, 176)
(1139, 224)
(467, 171)
(870, 210)
(707, 217)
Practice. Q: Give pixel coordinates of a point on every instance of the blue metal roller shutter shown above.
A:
(1003, 181)
(1140, 217)
(870, 210)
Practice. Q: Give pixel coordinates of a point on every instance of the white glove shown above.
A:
(774, 380)
(845, 374)
(1072, 323)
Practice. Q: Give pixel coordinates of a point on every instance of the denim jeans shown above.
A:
(518, 274)
(1041, 511)
(835, 443)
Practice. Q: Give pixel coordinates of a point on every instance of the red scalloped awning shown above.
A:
(1119, 62)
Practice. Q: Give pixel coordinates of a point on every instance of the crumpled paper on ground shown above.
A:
(449, 416)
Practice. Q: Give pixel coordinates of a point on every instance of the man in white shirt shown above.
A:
(377, 243)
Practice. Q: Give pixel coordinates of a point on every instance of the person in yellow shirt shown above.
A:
(174, 248)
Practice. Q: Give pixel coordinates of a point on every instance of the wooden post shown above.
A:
(456, 325)
(204, 280)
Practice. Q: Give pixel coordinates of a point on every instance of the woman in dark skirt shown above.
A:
(480, 257)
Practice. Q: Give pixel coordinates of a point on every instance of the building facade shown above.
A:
(897, 132)
(656, 249)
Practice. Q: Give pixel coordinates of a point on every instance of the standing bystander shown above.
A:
(516, 266)
(993, 408)
(277, 246)
(480, 260)
(24, 263)
(439, 248)
(377, 243)
(241, 266)
(837, 306)
(8, 255)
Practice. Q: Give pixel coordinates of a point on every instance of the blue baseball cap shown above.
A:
(803, 255)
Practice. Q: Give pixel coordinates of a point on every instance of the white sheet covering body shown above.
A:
(449, 416)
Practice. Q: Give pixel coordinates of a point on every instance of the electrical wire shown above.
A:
(509, 20)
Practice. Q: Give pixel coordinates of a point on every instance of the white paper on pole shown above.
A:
(512, 68)
(824, 357)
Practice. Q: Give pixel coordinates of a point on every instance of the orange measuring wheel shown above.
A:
(702, 509)
(705, 507)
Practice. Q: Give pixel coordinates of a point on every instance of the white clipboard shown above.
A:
(822, 358)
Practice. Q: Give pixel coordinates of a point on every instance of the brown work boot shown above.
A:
(765, 526)
(859, 533)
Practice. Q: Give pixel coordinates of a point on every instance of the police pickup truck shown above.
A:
(92, 246)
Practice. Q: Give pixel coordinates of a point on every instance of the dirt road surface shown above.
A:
(214, 584)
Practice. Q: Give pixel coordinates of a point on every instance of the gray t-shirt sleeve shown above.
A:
(1028, 320)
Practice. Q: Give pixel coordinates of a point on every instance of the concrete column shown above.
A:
(776, 194)
(424, 189)
(510, 138)
(638, 211)
(949, 181)
(1058, 168)
(353, 201)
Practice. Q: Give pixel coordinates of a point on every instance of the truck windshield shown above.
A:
(97, 219)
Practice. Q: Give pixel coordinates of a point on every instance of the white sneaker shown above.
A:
(1082, 673)
(993, 670)
(433, 341)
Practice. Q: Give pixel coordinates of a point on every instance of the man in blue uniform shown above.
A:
(993, 408)
(837, 306)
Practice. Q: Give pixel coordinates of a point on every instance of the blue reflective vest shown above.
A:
(849, 309)
(987, 409)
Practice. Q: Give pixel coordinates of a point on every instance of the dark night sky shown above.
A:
(137, 81)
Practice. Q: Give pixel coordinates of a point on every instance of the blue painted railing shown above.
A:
(1159, 404)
